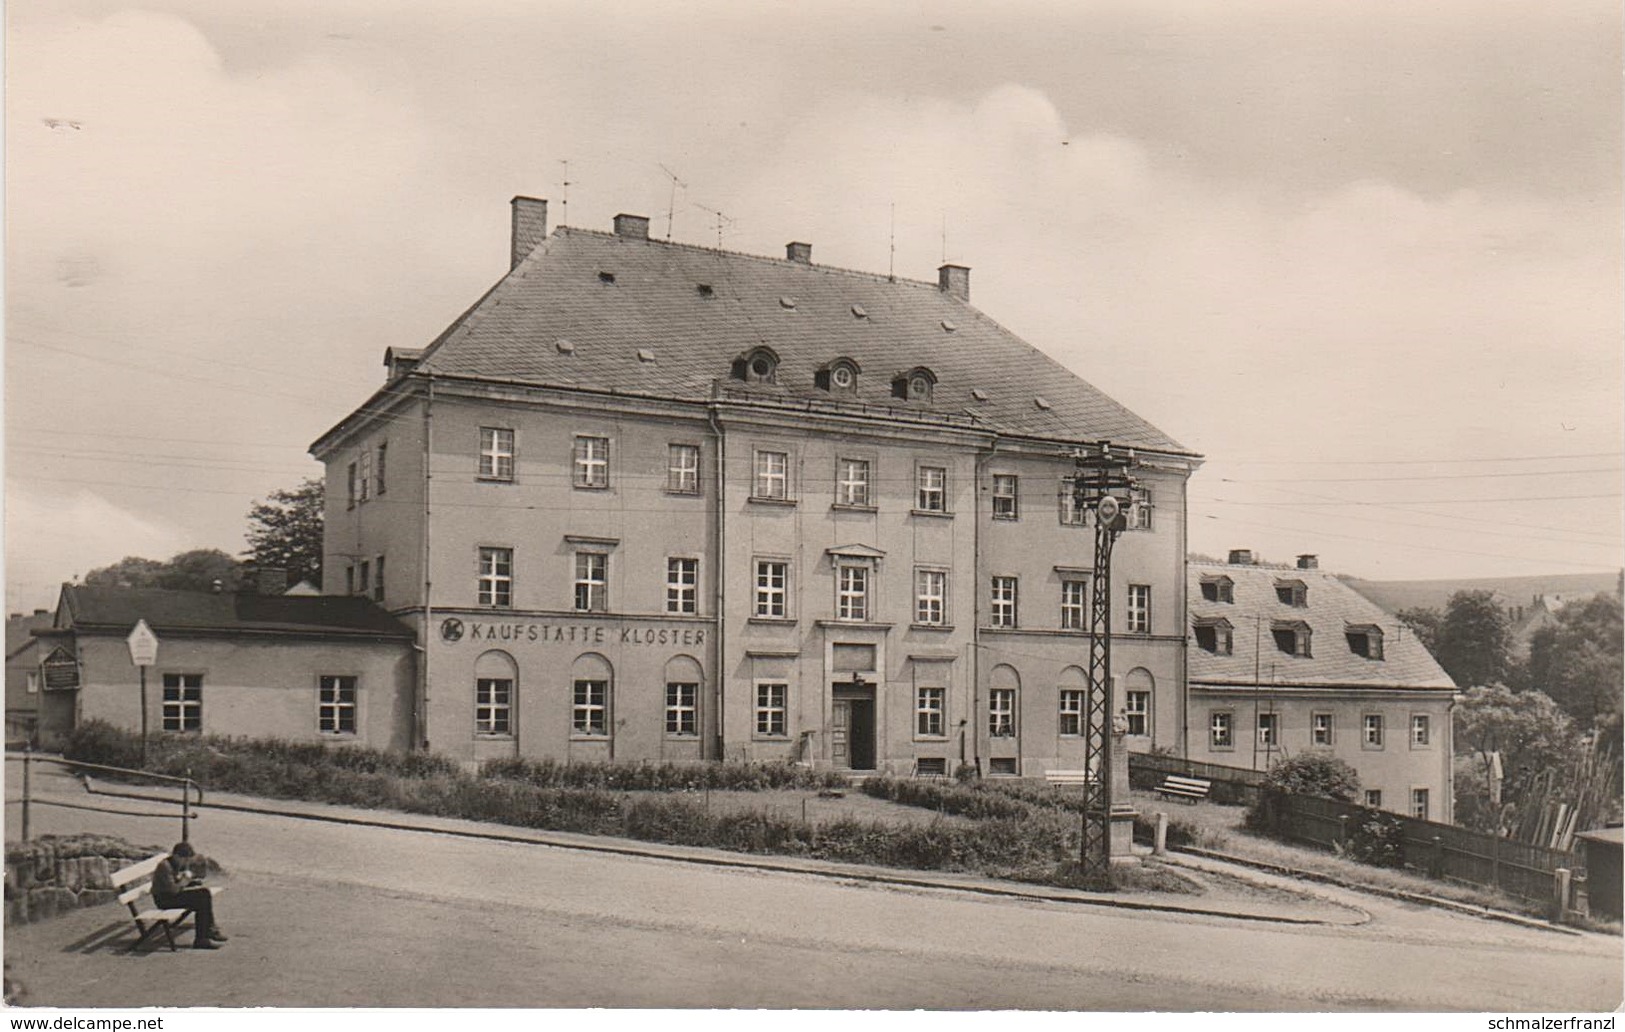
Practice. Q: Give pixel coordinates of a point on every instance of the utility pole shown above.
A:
(1102, 486)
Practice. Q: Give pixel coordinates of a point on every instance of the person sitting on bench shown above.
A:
(173, 886)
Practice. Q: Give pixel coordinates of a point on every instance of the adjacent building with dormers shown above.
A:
(1287, 659)
(652, 501)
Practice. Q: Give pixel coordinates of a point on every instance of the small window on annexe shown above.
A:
(1218, 589)
(1215, 636)
(1292, 593)
(1365, 640)
(1291, 637)
(759, 365)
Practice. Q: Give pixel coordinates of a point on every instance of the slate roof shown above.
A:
(1333, 607)
(178, 612)
(655, 303)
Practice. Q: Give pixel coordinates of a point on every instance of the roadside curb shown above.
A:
(1406, 897)
(661, 851)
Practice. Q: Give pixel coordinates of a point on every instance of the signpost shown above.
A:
(143, 653)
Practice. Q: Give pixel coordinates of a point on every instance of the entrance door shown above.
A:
(840, 723)
(863, 734)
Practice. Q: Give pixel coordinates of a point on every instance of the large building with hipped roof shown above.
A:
(1288, 660)
(652, 501)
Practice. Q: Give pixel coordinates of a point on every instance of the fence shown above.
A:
(191, 793)
(1234, 785)
(1441, 850)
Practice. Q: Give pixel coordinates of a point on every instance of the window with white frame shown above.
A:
(1074, 604)
(1421, 730)
(183, 702)
(931, 597)
(1072, 514)
(682, 708)
(591, 462)
(496, 577)
(335, 704)
(1372, 724)
(1269, 730)
(1139, 608)
(1003, 611)
(365, 584)
(772, 476)
(1221, 730)
(1001, 712)
(771, 706)
(772, 578)
(1006, 497)
(1137, 708)
(493, 705)
(852, 482)
(589, 709)
(33, 682)
(592, 582)
(380, 467)
(851, 592)
(1320, 729)
(931, 489)
(929, 718)
(1419, 803)
(1373, 798)
(1071, 711)
(354, 486)
(1141, 510)
(365, 484)
(496, 453)
(683, 468)
(682, 585)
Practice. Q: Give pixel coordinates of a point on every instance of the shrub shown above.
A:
(663, 777)
(1377, 839)
(1315, 774)
(973, 801)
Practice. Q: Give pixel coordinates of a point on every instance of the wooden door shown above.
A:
(839, 728)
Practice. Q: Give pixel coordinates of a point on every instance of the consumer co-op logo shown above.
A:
(451, 629)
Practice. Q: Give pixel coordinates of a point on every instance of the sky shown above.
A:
(1363, 257)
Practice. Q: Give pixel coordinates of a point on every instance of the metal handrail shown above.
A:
(187, 785)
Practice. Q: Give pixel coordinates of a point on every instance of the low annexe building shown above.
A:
(301, 668)
(651, 501)
(1286, 660)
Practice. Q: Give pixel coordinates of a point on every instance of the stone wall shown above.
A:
(55, 874)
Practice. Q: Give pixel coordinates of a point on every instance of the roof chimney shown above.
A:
(798, 252)
(633, 227)
(954, 280)
(1308, 562)
(529, 228)
(1241, 557)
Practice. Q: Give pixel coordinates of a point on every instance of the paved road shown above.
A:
(331, 915)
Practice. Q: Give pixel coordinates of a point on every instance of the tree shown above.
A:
(1532, 736)
(196, 570)
(1580, 660)
(1474, 643)
(1425, 622)
(285, 532)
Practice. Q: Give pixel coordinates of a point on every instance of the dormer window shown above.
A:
(1214, 635)
(1218, 589)
(1365, 640)
(1292, 593)
(1291, 637)
(839, 377)
(915, 385)
(759, 365)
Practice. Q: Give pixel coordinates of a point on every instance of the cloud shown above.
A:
(55, 536)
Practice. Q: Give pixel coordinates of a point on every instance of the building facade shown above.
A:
(1287, 659)
(650, 501)
(336, 670)
(26, 703)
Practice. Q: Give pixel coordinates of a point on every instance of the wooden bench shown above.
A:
(1192, 790)
(1068, 777)
(146, 914)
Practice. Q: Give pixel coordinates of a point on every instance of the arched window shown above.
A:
(1137, 691)
(915, 385)
(758, 365)
(592, 684)
(1004, 688)
(839, 376)
(684, 681)
(1074, 691)
(496, 680)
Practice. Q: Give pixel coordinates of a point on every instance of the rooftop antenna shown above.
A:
(564, 218)
(671, 202)
(891, 263)
(721, 219)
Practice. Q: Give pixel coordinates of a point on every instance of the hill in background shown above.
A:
(1511, 592)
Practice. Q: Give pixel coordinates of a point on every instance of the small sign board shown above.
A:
(61, 670)
(143, 645)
